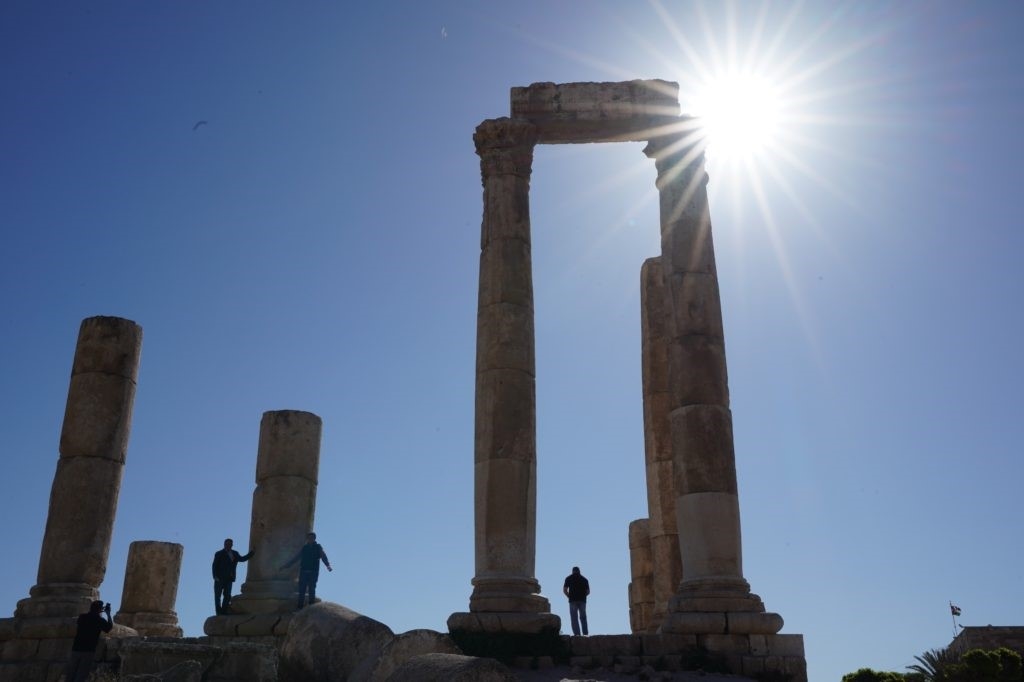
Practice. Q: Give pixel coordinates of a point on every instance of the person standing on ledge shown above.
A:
(576, 588)
(87, 636)
(224, 563)
(311, 554)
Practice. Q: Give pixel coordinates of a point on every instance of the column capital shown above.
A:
(505, 146)
(678, 157)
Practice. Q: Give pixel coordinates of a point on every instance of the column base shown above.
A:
(248, 625)
(151, 624)
(505, 622)
(718, 606)
(265, 597)
(56, 600)
(507, 595)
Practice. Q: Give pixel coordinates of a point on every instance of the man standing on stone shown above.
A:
(224, 563)
(311, 555)
(87, 636)
(576, 588)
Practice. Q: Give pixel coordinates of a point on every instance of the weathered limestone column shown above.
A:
(713, 595)
(151, 588)
(283, 506)
(641, 586)
(93, 446)
(506, 595)
(661, 495)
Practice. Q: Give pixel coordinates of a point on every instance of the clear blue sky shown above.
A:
(314, 246)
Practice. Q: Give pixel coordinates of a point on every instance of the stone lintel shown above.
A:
(598, 112)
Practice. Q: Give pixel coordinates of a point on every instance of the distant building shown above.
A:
(989, 637)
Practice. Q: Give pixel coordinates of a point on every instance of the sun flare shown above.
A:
(739, 114)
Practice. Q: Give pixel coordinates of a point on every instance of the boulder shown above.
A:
(451, 668)
(327, 642)
(399, 650)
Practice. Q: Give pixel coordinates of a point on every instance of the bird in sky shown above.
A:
(196, 126)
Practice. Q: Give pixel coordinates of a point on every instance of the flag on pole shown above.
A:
(954, 609)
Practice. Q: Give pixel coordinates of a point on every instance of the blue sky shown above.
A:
(314, 246)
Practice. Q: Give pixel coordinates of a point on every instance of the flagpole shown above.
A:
(953, 611)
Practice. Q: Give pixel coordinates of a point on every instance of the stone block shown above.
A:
(297, 435)
(505, 415)
(725, 644)
(108, 345)
(785, 645)
(259, 624)
(642, 589)
(795, 666)
(754, 623)
(693, 623)
(513, 623)
(582, 662)
(505, 267)
(22, 649)
(597, 112)
(704, 433)
(752, 665)
(60, 649)
(663, 644)
(628, 665)
(97, 417)
(140, 657)
(245, 661)
(701, 361)
(506, 337)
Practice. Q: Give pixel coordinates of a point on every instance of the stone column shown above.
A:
(713, 595)
(283, 505)
(641, 586)
(506, 594)
(93, 446)
(661, 494)
(151, 588)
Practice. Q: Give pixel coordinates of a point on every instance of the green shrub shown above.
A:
(869, 675)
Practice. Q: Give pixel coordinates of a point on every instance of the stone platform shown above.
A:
(747, 655)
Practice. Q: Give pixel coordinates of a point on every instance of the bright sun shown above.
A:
(739, 114)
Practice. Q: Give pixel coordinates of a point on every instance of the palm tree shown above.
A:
(932, 664)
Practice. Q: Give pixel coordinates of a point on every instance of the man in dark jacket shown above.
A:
(87, 636)
(576, 588)
(224, 563)
(311, 554)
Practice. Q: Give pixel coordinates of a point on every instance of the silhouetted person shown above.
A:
(87, 636)
(224, 563)
(576, 588)
(311, 555)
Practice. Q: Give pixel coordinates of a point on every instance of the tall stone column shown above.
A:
(713, 595)
(641, 573)
(283, 506)
(151, 588)
(93, 446)
(661, 495)
(506, 594)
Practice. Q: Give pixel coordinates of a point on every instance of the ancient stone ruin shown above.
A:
(688, 577)
(688, 600)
